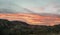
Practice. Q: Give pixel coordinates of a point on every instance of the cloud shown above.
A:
(10, 7)
(51, 8)
(30, 6)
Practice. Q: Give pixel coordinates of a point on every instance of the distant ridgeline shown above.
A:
(22, 28)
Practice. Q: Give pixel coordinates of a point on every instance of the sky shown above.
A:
(30, 6)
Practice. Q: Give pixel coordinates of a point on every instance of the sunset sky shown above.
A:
(32, 19)
(30, 6)
(30, 10)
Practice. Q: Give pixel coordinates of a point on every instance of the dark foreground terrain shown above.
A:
(21, 28)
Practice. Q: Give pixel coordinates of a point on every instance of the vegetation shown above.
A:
(22, 28)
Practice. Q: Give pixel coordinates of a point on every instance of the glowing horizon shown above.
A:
(31, 8)
(33, 19)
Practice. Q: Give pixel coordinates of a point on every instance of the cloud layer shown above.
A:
(30, 6)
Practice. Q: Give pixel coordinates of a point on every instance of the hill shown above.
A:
(22, 28)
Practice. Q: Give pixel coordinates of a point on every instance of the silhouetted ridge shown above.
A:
(4, 22)
(22, 28)
(19, 22)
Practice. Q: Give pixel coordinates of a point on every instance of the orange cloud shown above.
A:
(33, 19)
